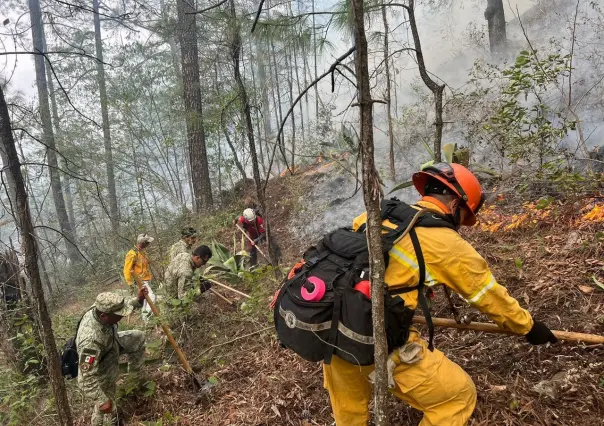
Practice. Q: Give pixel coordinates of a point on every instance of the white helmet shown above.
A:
(249, 215)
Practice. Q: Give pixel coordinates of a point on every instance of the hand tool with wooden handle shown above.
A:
(179, 353)
(493, 328)
(252, 241)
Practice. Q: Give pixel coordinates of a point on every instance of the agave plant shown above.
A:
(224, 262)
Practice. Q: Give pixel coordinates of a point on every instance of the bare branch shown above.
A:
(258, 12)
(55, 52)
(67, 238)
(85, 9)
(207, 9)
(331, 69)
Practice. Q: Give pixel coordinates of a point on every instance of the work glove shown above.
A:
(204, 286)
(540, 334)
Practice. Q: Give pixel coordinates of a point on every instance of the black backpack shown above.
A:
(340, 323)
(69, 355)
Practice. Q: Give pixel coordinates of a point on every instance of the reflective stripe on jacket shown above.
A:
(452, 261)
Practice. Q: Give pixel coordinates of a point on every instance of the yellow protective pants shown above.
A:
(430, 382)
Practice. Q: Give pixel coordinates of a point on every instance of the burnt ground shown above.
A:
(550, 266)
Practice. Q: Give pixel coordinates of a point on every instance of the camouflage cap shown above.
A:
(111, 303)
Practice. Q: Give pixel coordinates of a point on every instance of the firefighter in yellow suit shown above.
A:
(428, 380)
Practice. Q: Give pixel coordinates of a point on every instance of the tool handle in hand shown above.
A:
(493, 328)
(251, 241)
(179, 353)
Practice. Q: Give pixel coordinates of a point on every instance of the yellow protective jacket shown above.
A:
(136, 261)
(452, 261)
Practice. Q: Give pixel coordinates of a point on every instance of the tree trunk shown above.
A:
(245, 104)
(388, 94)
(371, 195)
(314, 45)
(38, 212)
(198, 157)
(28, 246)
(100, 69)
(495, 16)
(436, 89)
(256, 110)
(48, 134)
(294, 51)
(232, 147)
(263, 82)
(280, 109)
(276, 112)
(288, 64)
(302, 130)
(60, 145)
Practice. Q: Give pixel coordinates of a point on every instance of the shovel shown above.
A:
(179, 353)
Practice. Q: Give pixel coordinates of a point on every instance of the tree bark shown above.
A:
(371, 195)
(100, 69)
(388, 94)
(495, 16)
(263, 82)
(245, 104)
(198, 157)
(280, 109)
(436, 89)
(257, 110)
(59, 140)
(28, 246)
(48, 134)
(288, 64)
(314, 45)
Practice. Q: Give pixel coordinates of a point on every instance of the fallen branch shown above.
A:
(231, 341)
(493, 328)
(228, 288)
(230, 302)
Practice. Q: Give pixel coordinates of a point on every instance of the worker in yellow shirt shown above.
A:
(422, 376)
(137, 262)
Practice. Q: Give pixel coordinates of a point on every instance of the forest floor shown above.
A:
(549, 255)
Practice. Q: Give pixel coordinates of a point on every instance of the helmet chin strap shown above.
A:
(455, 215)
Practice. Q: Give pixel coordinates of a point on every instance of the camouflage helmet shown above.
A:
(111, 303)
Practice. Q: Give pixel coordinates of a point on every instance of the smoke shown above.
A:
(453, 39)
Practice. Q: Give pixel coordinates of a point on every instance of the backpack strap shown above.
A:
(75, 338)
(333, 331)
(421, 297)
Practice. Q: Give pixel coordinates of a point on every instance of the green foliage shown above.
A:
(28, 345)
(524, 127)
(132, 385)
(167, 419)
(17, 393)
(544, 203)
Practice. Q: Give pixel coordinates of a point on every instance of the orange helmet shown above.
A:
(459, 180)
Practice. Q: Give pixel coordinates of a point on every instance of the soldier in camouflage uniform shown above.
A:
(100, 345)
(188, 239)
(181, 269)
